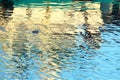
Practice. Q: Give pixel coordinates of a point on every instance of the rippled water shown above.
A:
(59, 40)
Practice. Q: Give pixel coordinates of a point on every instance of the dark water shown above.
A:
(59, 40)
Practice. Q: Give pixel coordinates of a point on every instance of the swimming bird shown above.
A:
(35, 31)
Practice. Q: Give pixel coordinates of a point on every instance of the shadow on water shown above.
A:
(57, 42)
(6, 10)
(111, 11)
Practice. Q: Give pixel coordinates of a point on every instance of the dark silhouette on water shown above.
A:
(90, 39)
(35, 32)
(108, 15)
(5, 12)
(116, 7)
(8, 4)
(7, 8)
(105, 11)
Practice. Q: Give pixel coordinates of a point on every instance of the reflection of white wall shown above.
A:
(66, 17)
(57, 16)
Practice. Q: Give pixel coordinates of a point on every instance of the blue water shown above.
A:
(63, 40)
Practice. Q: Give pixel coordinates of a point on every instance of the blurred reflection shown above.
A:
(110, 15)
(116, 12)
(92, 40)
(116, 7)
(21, 55)
(6, 10)
(105, 10)
(45, 43)
(91, 34)
(47, 15)
(28, 12)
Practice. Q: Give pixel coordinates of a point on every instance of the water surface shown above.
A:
(68, 40)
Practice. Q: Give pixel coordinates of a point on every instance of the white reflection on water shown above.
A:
(44, 43)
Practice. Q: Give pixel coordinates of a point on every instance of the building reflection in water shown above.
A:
(43, 41)
(28, 12)
(110, 11)
(116, 7)
(6, 10)
(91, 34)
(106, 10)
(49, 49)
(21, 53)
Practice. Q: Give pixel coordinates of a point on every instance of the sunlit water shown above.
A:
(49, 41)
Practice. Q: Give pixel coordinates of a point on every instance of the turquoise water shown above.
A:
(59, 40)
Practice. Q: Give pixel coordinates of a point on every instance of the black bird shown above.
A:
(35, 31)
